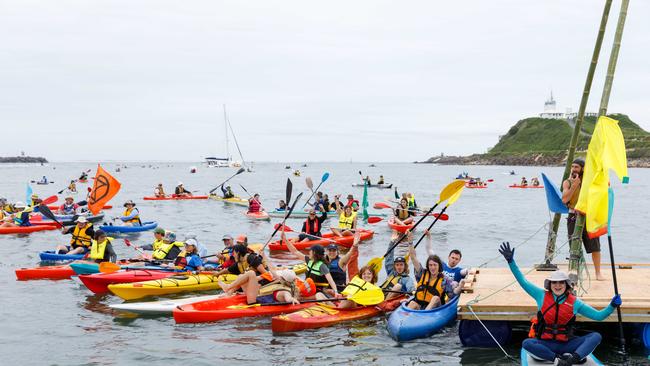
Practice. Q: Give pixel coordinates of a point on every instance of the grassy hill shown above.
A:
(540, 141)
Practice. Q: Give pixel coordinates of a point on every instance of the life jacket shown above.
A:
(157, 244)
(402, 213)
(181, 261)
(69, 209)
(135, 219)
(312, 226)
(346, 222)
(554, 321)
(338, 274)
(227, 253)
(425, 290)
(80, 237)
(168, 250)
(278, 285)
(98, 250)
(411, 200)
(393, 280)
(254, 205)
(313, 272)
(159, 191)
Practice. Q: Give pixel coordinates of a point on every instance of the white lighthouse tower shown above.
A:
(550, 110)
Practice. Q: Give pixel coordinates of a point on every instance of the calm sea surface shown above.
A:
(62, 323)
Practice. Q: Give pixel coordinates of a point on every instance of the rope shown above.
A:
(512, 359)
(517, 246)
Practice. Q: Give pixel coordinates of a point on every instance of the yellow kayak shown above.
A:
(235, 200)
(178, 284)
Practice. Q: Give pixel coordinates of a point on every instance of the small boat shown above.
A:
(287, 167)
(67, 220)
(475, 186)
(162, 306)
(260, 215)
(234, 200)
(98, 282)
(296, 173)
(406, 324)
(174, 197)
(523, 187)
(296, 214)
(380, 186)
(399, 228)
(527, 359)
(328, 238)
(146, 226)
(61, 272)
(51, 256)
(27, 229)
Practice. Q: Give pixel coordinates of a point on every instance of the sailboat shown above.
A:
(214, 162)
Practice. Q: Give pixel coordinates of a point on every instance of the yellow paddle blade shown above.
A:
(108, 267)
(451, 189)
(371, 296)
(243, 306)
(376, 264)
(455, 196)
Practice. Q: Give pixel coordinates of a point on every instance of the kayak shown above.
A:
(232, 307)
(129, 229)
(66, 220)
(27, 229)
(174, 197)
(178, 283)
(61, 272)
(98, 282)
(296, 214)
(170, 285)
(475, 186)
(56, 207)
(51, 256)
(527, 359)
(328, 238)
(523, 187)
(82, 180)
(260, 215)
(397, 227)
(406, 324)
(162, 306)
(323, 315)
(380, 186)
(81, 268)
(235, 200)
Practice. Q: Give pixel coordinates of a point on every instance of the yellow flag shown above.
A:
(606, 151)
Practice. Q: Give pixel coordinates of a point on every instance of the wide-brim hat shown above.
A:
(129, 202)
(557, 276)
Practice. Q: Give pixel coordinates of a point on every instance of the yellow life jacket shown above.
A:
(428, 287)
(135, 219)
(411, 200)
(393, 280)
(402, 213)
(98, 250)
(278, 285)
(165, 248)
(157, 244)
(346, 222)
(80, 237)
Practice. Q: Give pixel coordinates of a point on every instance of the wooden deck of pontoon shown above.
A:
(513, 304)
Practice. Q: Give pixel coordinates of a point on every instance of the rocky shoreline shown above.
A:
(523, 160)
(23, 159)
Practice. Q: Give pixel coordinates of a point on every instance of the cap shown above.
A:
(332, 247)
(399, 259)
(180, 183)
(242, 238)
(556, 277)
(170, 235)
(19, 204)
(318, 249)
(191, 242)
(81, 219)
(227, 237)
(160, 231)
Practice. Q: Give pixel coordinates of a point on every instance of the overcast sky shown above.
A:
(302, 81)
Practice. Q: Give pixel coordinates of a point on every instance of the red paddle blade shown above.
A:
(127, 242)
(380, 205)
(374, 219)
(490, 180)
(278, 226)
(50, 199)
(442, 217)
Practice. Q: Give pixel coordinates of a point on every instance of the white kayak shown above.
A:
(527, 359)
(160, 307)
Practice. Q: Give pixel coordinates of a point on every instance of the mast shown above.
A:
(225, 125)
(550, 246)
(236, 143)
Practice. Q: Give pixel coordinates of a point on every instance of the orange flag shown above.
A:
(104, 188)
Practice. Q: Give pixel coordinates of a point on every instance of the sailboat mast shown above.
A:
(234, 137)
(225, 124)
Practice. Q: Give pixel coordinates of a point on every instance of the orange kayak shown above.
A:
(228, 308)
(322, 315)
(399, 228)
(328, 238)
(61, 272)
(260, 215)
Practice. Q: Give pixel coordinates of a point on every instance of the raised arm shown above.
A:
(355, 247)
(535, 292)
(588, 311)
(417, 267)
(428, 244)
(292, 249)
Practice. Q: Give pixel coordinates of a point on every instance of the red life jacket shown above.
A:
(254, 205)
(555, 320)
(315, 229)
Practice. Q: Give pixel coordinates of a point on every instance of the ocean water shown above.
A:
(62, 323)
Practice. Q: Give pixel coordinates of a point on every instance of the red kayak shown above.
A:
(328, 238)
(28, 229)
(259, 215)
(174, 197)
(519, 186)
(399, 228)
(229, 308)
(98, 282)
(62, 272)
(322, 315)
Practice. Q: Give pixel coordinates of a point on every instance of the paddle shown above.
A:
(310, 184)
(283, 221)
(374, 219)
(241, 170)
(451, 200)
(381, 205)
(446, 193)
(325, 177)
(288, 191)
(45, 211)
(110, 267)
(363, 292)
(50, 200)
(245, 190)
(611, 261)
(144, 255)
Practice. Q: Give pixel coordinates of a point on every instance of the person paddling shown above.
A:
(69, 207)
(101, 249)
(131, 215)
(254, 204)
(19, 216)
(181, 191)
(159, 191)
(347, 220)
(282, 206)
(317, 268)
(570, 195)
(169, 249)
(524, 182)
(557, 307)
(72, 187)
(243, 261)
(158, 240)
(398, 278)
(226, 192)
(381, 180)
(189, 259)
(82, 236)
(403, 213)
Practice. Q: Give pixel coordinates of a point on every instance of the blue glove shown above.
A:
(507, 252)
(616, 301)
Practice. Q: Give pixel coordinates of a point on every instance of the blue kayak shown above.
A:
(406, 324)
(51, 256)
(146, 226)
(527, 359)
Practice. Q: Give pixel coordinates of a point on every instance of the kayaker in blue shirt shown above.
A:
(19, 217)
(398, 278)
(557, 307)
(189, 260)
(451, 269)
(200, 248)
